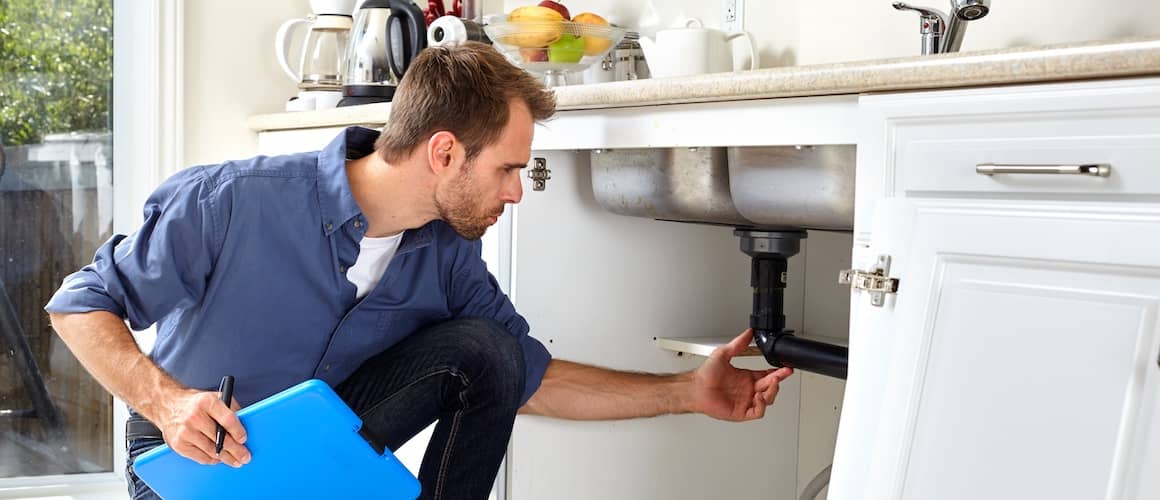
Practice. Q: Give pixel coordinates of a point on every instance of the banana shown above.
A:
(533, 27)
(534, 13)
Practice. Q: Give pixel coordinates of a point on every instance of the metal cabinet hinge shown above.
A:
(539, 174)
(875, 281)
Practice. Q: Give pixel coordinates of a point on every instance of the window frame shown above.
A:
(148, 59)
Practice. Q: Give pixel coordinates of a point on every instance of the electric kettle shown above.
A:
(387, 35)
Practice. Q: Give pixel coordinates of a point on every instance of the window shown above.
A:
(56, 207)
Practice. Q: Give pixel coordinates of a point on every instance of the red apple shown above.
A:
(557, 7)
(533, 55)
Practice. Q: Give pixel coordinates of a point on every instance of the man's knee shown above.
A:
(493, 351)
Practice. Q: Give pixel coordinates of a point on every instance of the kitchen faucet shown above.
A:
(944, 33)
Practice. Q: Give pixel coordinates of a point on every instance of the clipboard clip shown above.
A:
(371, 440)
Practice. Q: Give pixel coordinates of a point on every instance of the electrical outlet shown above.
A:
(733, 15)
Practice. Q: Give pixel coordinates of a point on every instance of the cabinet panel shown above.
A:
(938, 155)
(1028, 379)
(1025, 357)
(296, 141)
(928, 143)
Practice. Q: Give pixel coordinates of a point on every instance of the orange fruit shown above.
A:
(593, 45)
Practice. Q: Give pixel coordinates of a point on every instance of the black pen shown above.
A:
(227, 390)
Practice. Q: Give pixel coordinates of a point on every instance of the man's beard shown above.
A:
(459, 210)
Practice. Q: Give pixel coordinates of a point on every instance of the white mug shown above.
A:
(323, 99)
(694, 50)
(300, 104)
(310, 100)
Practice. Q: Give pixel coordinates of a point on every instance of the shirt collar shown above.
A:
(334, 195)
(417, 238)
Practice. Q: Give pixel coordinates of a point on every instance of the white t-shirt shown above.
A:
(373, 257)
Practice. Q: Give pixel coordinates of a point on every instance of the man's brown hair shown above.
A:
(464, 89)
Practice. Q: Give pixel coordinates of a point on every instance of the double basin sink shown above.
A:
(806, 187)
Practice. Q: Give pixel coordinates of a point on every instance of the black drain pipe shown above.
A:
(769, 251)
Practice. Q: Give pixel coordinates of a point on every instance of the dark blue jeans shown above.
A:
(466, 374)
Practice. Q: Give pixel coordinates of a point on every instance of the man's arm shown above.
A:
(162, 266)
(717, 389)
(187, 417)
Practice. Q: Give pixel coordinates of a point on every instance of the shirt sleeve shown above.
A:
(164, 265)
(475, 292)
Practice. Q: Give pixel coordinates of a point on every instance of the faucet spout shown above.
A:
(961, 12)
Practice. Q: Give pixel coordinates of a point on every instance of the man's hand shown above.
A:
(723, 391)
(189, 425)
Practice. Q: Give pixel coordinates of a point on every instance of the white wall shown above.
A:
(231, 74)
(800, 32)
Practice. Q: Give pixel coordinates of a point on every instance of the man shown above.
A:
(359, 265)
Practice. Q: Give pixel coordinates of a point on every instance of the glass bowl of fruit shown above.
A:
(542, 41)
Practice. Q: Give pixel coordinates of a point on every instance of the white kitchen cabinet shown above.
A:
(1019, 358)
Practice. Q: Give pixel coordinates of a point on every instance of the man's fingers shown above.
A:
(768, 385)
(737, 345)
(780, 373)
(771, 377)
(770, 394)
(228, 419)
(234, 454)
(192, 443)
(758, 409)
(198, 441)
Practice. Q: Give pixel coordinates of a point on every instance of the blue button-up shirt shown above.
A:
(243, 267)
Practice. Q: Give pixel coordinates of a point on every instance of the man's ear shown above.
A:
(443, 152)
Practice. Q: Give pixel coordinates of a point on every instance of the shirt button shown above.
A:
(342, 269)
(329, 226)
(358, 223)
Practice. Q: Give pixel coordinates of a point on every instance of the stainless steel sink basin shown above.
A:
(682, 184)
(796, 186)
(778, 186)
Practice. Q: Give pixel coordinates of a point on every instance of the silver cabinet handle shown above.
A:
(1091, 169)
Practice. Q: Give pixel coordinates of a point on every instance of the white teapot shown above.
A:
(694, 50)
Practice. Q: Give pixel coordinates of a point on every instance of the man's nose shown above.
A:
(513, 191)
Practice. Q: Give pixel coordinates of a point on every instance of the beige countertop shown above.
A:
(1076, 61)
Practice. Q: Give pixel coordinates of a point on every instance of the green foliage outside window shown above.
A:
(56, 71)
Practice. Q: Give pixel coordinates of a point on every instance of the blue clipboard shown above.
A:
(304, 443)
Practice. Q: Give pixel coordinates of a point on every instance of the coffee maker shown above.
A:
(318, 66)
(387, 35)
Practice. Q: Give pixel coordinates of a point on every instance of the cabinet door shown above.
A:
(1024, 361)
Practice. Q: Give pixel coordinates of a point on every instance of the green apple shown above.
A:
(568, 49)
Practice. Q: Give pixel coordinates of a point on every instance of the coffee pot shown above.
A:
(387, 35)
(320, 63)
(694, 50)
